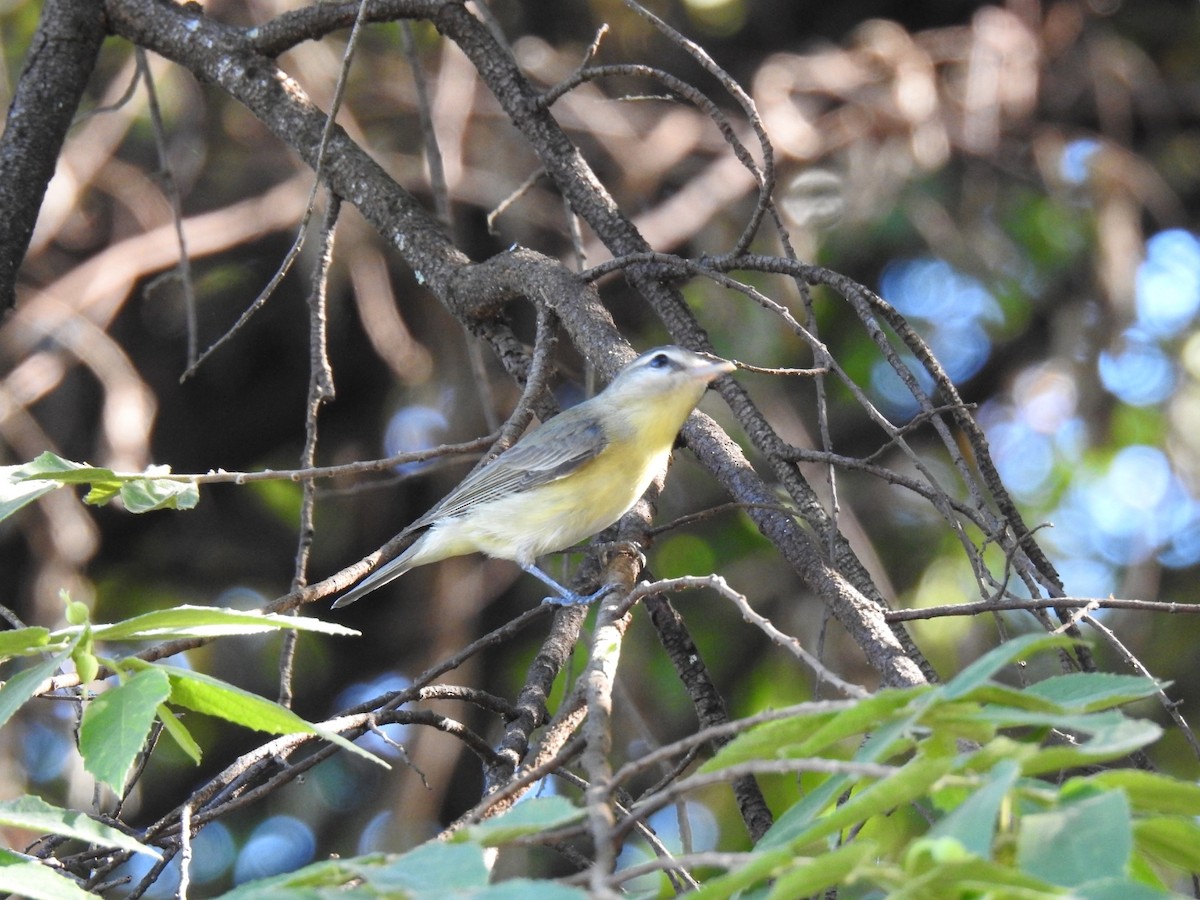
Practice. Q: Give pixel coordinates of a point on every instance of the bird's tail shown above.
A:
(387, 573)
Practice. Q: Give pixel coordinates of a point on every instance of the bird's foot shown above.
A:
(564, 596)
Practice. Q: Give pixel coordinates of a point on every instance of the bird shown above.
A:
(566, 480)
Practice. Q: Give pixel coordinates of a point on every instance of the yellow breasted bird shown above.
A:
(567, 480)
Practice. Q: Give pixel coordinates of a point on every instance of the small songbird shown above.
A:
(567, 480)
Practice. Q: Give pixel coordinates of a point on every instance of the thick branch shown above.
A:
(56, 71)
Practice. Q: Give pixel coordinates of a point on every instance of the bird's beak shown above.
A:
(712, 369)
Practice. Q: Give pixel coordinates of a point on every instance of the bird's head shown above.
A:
(667, 374)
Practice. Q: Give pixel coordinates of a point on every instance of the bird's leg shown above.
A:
(566, 596)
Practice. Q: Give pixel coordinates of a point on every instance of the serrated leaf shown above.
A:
(209, 621)
(147, 494)
(36, 815)
(213, 697)
(1088, 691)
(18, 689)
(116, 724)
(21, 876)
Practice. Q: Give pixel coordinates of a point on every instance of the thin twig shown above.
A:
(293, 253)
(183, 268)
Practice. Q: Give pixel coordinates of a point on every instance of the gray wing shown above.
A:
(553, 451)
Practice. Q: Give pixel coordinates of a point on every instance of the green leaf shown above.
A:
(56, 471)
(907, 784)
(1088, 691)
(432, 871)
(1078, 842)
(303, 883)
(1148, 792)
(25, 877)
(1120, 889)
(102, 492)
(16, 492)
(36, 815)
(532, 816)
(814, 875)
(146, 494)
(23, 642)
(214, 697)
(799, 817)
(139, 494)
(800, 826)
(808, 733)
(434, 867)
(1170, 840)
(52, 466)
(1002, 695)
(764, 866)
(980, 672)
(115, 726)
(208, 621)
(971, 878)
(22, 686)
(178, 731)
(1112, 736)
(973, 822)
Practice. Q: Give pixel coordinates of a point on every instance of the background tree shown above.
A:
(494, 206)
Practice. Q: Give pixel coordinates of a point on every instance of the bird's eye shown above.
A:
(659, 361)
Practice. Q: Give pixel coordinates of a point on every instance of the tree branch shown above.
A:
(56, 72)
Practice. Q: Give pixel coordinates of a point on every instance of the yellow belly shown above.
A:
(550, 517)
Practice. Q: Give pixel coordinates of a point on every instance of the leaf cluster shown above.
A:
(120, 721)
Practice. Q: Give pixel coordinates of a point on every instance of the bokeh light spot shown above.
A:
(1075, 164)
(1168, 283)
(1137, 371)
(950, 309)
(414, 428)
(278, 844)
